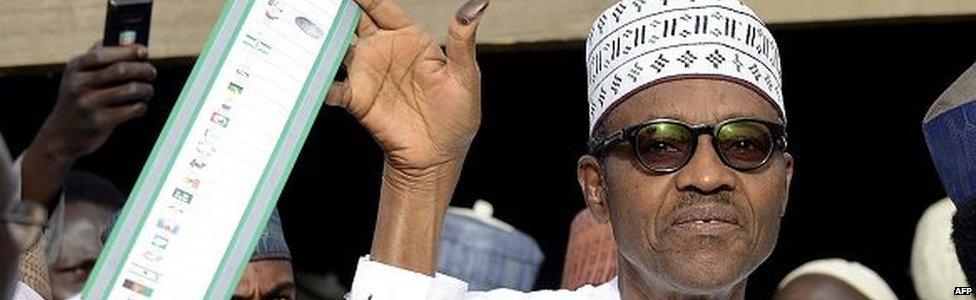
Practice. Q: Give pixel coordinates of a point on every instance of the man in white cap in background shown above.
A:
(935, 266)
(833, 279)
(687, 163)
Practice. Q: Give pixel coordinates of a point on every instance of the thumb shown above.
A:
(461, 43)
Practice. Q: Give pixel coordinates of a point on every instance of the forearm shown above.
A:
(8, 264)
(411, 214)
(43, 169)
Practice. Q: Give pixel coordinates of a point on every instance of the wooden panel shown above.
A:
(42, 32)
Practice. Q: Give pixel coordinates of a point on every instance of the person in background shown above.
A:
(90, 201)
(99, 90)
(269, 274)
(591, 254)
(833, 279)
(500, 256)
(935, 266)
(312, 286)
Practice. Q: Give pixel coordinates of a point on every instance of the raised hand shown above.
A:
(421, 105)
(99, 90)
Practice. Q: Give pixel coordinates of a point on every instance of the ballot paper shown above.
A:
(201, 202)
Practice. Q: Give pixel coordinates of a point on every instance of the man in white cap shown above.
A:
(835, 279)
(935, 266)
(687, 162)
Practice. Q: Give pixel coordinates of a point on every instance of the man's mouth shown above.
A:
(709, 219)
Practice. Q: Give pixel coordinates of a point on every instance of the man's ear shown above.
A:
(788, 159)
(591, 182)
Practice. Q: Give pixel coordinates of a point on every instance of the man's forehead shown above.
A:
(693, 101)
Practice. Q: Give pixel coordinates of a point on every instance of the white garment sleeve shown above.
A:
(24, 292)
(377, 281)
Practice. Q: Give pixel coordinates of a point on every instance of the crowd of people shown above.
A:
(689, 167)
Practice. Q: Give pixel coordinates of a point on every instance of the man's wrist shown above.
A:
(43, 167)
(436, 180)
(411, 214)
(51, 149)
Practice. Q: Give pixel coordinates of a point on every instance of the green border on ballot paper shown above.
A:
(110, 263)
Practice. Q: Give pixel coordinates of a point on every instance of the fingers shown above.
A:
(386, 14)
(339, 95)
(366, 26)
(471, 11)
(100, 57)
(461, 43)
(113, 116)
(350, 56)
(119, 96)
(122, 72)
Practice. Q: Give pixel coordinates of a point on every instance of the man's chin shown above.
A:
(706, 271)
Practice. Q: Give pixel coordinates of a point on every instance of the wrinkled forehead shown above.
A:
(693, 101)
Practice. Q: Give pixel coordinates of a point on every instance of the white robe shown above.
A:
(377, 281)
(24, 292)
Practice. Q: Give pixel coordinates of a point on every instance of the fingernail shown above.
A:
(471, 11)
(143, 52)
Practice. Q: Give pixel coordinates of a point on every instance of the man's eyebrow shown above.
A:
(278, 289)
(715, 116)
(745, 115)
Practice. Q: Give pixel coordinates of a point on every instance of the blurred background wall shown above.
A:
(859, 77)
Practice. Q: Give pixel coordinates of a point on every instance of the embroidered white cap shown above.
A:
(638, 43)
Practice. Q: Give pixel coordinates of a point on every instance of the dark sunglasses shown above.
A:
(665, 146)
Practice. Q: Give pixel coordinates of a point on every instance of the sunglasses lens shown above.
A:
(665, 146)
(745, 144)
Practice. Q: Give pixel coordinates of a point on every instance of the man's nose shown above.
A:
(705, 173)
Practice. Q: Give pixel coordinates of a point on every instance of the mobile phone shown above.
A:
(127, 22)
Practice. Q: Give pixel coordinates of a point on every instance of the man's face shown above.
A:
(267, 280)
(83, 225)
(705, 227)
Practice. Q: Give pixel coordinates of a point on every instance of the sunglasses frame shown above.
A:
(599, 147)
